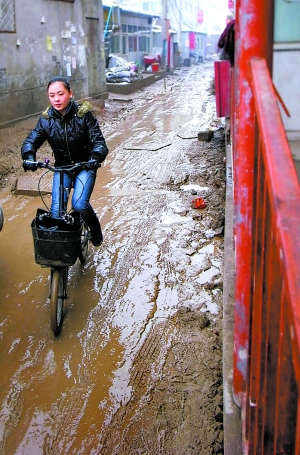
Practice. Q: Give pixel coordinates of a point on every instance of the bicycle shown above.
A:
(59, 242)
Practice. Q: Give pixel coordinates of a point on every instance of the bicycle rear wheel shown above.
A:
(84, 244)
(58, 294)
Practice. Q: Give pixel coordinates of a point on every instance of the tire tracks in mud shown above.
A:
(123, 258)
(124, 254)
(149, 172)
(190, 401)
(158, 177)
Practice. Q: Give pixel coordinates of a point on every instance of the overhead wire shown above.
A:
(180, 13)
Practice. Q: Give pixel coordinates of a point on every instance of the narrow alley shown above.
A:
(137, 368)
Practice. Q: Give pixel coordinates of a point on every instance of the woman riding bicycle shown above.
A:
(74, 135)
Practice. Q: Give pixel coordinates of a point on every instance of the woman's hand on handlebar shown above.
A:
(30, 164)
(93, 163)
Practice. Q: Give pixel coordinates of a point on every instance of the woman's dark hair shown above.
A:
(59, 79)
(227, 41)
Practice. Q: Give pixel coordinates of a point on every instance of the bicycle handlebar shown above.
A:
(67, 168)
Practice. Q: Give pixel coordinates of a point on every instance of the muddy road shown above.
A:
(137, 368)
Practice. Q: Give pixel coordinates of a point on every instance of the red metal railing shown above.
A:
(253, 38)
(271, 400)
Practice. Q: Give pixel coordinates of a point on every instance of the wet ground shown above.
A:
(137, 368)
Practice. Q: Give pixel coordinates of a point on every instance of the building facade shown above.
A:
(46, 38)
(128, 33)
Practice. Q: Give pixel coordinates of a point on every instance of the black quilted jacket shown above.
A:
(72, 137)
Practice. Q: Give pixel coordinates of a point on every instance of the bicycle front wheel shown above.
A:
(84, 244)
(57, 297)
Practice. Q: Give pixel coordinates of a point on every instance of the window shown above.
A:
(115, 44)
(143, 43)
(132, 43)
(7, 16)
(124, 51)
(135, 38)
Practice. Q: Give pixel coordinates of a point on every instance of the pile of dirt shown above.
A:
(183, 396)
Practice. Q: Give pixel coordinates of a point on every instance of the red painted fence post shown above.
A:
(222, 83)
(253, 38)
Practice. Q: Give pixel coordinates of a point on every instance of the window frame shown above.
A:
(13, 29)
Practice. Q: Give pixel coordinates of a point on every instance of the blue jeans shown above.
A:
(83, 185)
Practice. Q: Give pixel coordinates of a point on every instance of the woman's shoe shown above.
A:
(91, 219)
(97, 238)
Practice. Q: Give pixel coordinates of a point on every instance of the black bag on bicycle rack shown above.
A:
(56, 241)
(69, 222)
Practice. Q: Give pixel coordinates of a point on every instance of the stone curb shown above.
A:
(231, 412)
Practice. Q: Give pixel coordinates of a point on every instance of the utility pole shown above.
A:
(179, 30)
(164, 32)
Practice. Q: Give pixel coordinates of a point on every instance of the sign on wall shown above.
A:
(200, 16)
(192, 40)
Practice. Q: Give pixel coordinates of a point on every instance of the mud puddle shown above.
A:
(137, 367)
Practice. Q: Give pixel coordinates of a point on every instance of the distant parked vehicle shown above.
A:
(1, 218)
(196, 58)
(153, 57)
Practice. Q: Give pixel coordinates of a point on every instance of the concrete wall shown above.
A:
(286, 64)
(51, 37)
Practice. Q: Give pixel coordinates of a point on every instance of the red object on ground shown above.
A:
(155, 67)
(153, 57)
(199, 203)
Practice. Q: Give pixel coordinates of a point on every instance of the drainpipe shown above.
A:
(164, 33)
(107, 22)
